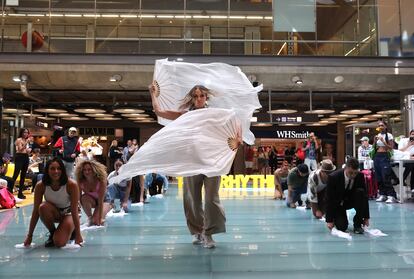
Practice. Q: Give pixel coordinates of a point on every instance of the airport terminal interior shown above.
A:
(334, 69)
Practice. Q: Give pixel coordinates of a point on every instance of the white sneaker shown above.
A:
(391, 199)
(197, 239)
(209, 243)
(18, 200)
(381, 198)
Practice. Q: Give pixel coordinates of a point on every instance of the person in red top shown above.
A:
(69, 149)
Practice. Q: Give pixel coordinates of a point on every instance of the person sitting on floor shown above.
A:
(317, 183)
(346, 189)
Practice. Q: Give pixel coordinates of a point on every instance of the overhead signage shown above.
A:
(284, 134)
(289, 118)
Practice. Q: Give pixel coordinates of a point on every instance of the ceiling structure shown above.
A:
(72, 81)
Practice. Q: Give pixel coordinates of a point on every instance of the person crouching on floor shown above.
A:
(346, 189)
(317, 183)
(297, 184)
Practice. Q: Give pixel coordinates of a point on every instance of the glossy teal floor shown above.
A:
(264, 239)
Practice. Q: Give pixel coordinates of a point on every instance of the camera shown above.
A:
(411, 138)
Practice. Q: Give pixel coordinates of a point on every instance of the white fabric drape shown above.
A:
(229, 85)
(194, 143)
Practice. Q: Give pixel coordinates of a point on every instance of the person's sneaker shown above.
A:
(49, 242)
(300, 202)
(21, 196)
(197, 239)
(208, 242)
(358, 230)
(381, 198)
(391, 199)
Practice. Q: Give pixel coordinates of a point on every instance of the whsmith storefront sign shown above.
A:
(283, 134)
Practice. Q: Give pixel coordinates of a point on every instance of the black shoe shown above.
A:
(358, 230)
(49, 242)
(21, 196)
(300, 202)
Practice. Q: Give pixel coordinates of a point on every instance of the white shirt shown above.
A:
(347, 181)
(403, 144)
(380, 143)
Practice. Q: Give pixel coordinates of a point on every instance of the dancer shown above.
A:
(61, 197)
(21, 160)
(201, 223)
(91, 177)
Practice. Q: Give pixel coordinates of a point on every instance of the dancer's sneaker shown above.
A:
(381, 198)
(391, 199)
(197, 239)
(49, 242)
(209, 243)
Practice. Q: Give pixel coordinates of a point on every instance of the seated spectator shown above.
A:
(60, 205)
(156, 183)
(297, 184)
(92, 181)
(3, 171)
(35, 167)
(346, 189)
(317, 183)
(119, 191)
(281, 175)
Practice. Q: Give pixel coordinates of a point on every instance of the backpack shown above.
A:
(7, 199)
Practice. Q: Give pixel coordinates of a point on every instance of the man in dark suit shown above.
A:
(346, 189)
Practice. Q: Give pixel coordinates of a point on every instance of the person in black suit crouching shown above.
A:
(346, 189)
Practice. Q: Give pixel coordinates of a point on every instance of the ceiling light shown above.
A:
(339, 79)
(20, 78)
(342, 115)
(129, 110)
(115, 78)
(356, 111)
(108, 118)
(333, 119)
(63, 114)
(351, 122)
(15, 111)
(316, 124)
(31, 115)
(77, 118)
(46, 118)
(327, 121)
(288, 124)
(363, 119)
(282, 111)
(262, 124)
(297, 80)
(133, 115)
(90, 110)
(376, 115)
(391, 111)
(8, 117)
(50, 110)
(320, 111)
(94, 115)
(396, 118)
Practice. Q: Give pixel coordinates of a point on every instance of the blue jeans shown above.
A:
(295, 195)
(383, 174)
(114, 192)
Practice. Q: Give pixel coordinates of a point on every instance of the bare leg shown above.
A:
(49, 214)
(87, 204)
(64, 231)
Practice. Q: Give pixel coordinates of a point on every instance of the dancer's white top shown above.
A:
(194, 143)
(228, 84)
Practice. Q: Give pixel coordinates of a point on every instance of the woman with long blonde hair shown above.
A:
(92, 180)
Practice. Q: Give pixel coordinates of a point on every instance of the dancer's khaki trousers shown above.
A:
(211, 219)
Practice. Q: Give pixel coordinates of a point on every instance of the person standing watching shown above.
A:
(69, 149)
(407, 145)
(21, 160)
(346, 189)
(311, 146)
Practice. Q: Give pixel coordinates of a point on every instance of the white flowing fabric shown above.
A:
(228, 84)
(194, 143)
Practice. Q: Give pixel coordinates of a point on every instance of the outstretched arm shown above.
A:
(168, 114)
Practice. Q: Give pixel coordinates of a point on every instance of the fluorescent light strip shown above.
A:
(91, 15)
(268, 17)
(73, 15)
(35, 15)
(108, 15)
(237, 17)
(165, 16)
(366, 39)
(349, 52)
(200, 16)
(147, 16)
(280, 50)
(16, 14)
(254, 17)
(182, 16)
(56, 15)
(129, 16)
(218, 17)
